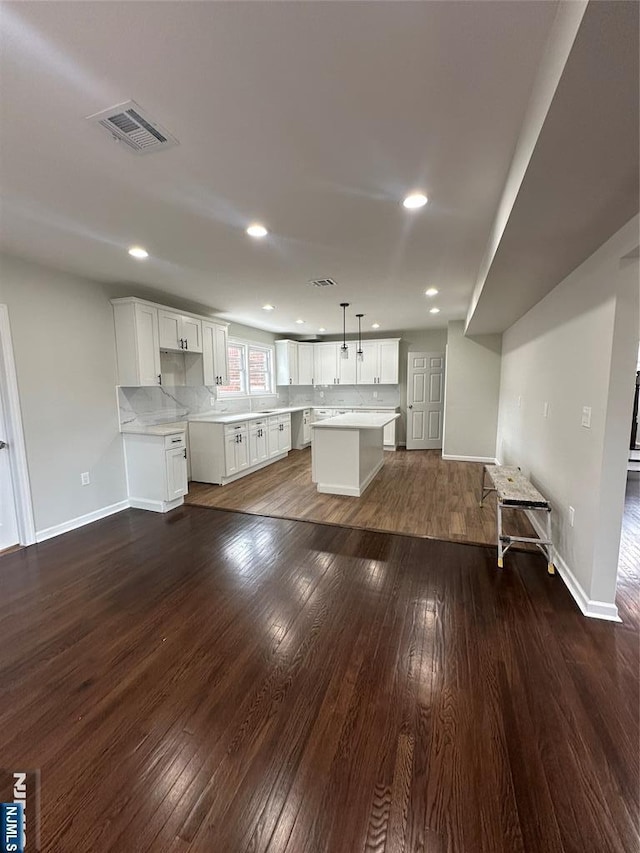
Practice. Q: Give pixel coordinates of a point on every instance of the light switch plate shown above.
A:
(586, 417)
(572, 516)
(545, 410)
(85, 479)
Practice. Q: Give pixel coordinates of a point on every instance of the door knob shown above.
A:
(410, 407)
(3, 444)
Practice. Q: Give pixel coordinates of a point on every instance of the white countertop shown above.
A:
(239, 417)
(155, 429)
(357, 420)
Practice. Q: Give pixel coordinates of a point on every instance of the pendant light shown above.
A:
(359, 353)
(344, 349)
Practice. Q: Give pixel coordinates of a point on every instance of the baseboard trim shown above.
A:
(155, 506)
(80, 521)
(488, 460)
(588, 606)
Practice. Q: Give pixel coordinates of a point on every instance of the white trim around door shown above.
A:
(15, 434)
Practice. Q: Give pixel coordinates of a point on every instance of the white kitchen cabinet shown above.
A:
(380, 363)
(236, 449)
(325, 364)
(214, 353)
(179, 332)
(284, 433)
(221, 453)
(286, 363)
(156, 470)
(347, 366)
(258, 442)
(176, 462)
(388, 361)
(137, 345)
(274, 437)
(368, 367)
(306, 364)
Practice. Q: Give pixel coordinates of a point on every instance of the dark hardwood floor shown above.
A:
(217, 682)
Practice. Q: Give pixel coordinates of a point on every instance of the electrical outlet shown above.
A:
(519, 403)
(212, 401)
(572, 516)
(586, 417)
(322, 395)
(85, 479)
(375, 395)
(545, 410)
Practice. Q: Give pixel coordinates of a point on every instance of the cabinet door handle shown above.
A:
(290, 381)
(181, 343)
(185, 453)
(159, 379)
(176, 440)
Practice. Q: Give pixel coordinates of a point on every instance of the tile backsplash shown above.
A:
(343, 395)
(164, 403)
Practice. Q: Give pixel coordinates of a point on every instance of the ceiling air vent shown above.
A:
(129, 123)
(323, 282)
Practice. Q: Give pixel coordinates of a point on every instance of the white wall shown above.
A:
(64, 348)
(472, 392)
(575, 348)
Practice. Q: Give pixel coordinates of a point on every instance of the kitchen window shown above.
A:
(250, 370)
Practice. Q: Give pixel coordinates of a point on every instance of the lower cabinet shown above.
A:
(236, 450)
(258, 443)
(156, 470)
(221, 453)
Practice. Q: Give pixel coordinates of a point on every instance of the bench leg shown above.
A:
(550, 555)
(499, 517)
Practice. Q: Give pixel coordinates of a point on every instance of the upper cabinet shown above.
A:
(380, 363)
(322, 364)
(153, 341)
(214, 353)
(287, 363)
(179, 331)
(137, 344)
(305, 364)
(325, 364)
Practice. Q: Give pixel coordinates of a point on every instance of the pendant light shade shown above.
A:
(344, 349)
(359, 352)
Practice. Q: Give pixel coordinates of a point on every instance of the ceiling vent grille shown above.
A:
(130, 124)
(323, 282)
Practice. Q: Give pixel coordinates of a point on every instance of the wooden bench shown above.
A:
(514, 491)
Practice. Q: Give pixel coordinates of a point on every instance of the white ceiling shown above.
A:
(315, 118)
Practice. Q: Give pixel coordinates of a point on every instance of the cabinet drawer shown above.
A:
(174, 440)
(231, 429)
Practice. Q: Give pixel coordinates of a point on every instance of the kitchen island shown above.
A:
(347, 451)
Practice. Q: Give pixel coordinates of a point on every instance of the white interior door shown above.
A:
(425, 400)
(8, 519)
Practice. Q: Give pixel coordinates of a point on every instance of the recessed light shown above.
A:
(268, 307)
(300, 322)
(322, 329)
(415, 200)
(257, 230)
(138, 252)
(432, 291)
(375, 325)
(434, 310)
